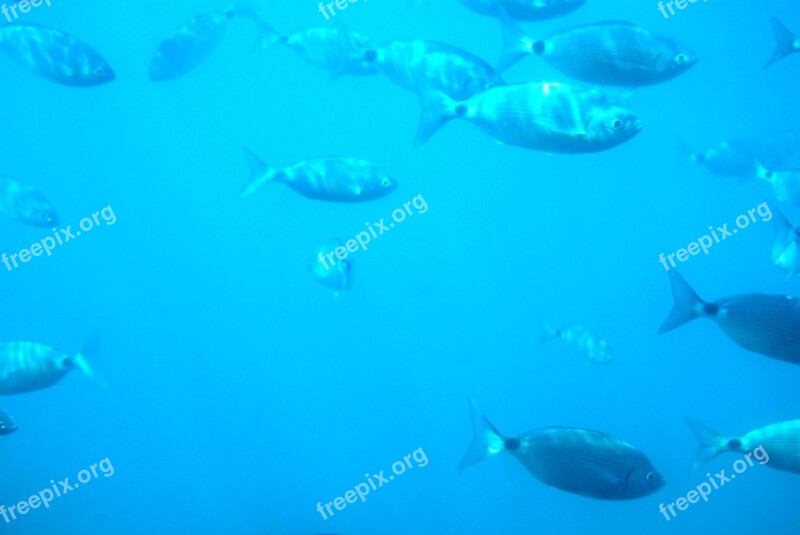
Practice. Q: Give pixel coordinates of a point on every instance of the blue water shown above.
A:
(242, 393)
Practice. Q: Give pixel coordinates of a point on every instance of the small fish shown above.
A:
(547, 116)
(54, 55)
(524, 9)
(585, 342)
(786, 246)
(7, 423)
(336, 179)
(765, 324)
(337, 276)
(776, 445)
(192, 43)
(446, 68)
(28, 366)
(581, 461)
(614, 53)
(738, 158)
(785, 42)
(25, 203)
(785, 184)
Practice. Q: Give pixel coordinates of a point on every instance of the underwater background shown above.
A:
(242, 392)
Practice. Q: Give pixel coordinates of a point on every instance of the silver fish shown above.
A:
(766, 324)
(55, 55)
(581, 461)
(776, 445)
(337, 275)
(547, 116)
(586, 342)
(335, 179)
(739, 158)
(29, 366)
(785, 42)
(786, 245)
(7, 423)
(524, 9)
(609, 53)
(25, 203)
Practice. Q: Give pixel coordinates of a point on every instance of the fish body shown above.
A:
(779, 444)
(786, 42)
(584, 341)
(765, 324)
(29, 366)
(524, 9)
(54, 55)
(581, 461)
(738, 158)
(25, 203)
(7, 423)
(336, 179)
(336, 274)
(786, 245)
(785, 184)
(449, 69)
(615, 53)
(547, 116)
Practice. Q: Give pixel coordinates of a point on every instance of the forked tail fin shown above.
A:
(688, 304)
(486, 441)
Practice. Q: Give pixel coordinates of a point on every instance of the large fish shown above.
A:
(192, 43)
(336, 179)
(7, 423)
(776, 445)
(785, 42)
(586, 342)
(609, 53)
(786, 245)
(25, 203)
(590, 463)
(547, 116)
(335, 273)
(524, 9)
(446, 68)
(28, 366)
(766, 324)
(54, 55)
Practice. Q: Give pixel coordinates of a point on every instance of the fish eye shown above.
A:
(386, 183)
(768, 174)
(617, 124)
(681, 58)
(650, 476)
(99, 72)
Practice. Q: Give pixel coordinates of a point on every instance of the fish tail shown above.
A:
(437, 110)
(784, 42)
(90, 350)
(352, 50)
(548, 331)
(486, 441)
(711, 443)
(267, 36)
(516, 43)
(688, 304)
(260, 173)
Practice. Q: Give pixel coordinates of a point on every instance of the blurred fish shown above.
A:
(779, 148)
(7, 423)
(337, 276)
(785, 42)
(25, 203)
(585, 342)
(737, 158)
(776, 445)
(449, 69)
(334, 179)
(786, 246)
(548, 116)
(785, 184)
(590, 463)
(193, 42)
(610, 53)
(766, 324)
(524, 9)
(54, 55)
(28, 366)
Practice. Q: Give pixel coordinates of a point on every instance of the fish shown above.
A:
(765, 324)
(786, 245)
(584, 341)
(455, 72)
(25, 203)
(192, 43)
(778, 149)
(776, 445)
(547, 116)
(335, 179)
(786, 42)
(339, 276)
(55, 55)
(7, 423)
(581, 461)
(524, 9)
(30, 366)
(785, 183)
(739, 158)
(615, 53)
